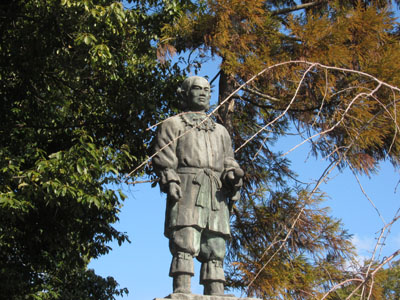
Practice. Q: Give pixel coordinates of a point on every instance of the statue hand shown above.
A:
(230, 176)
(175, 191)
(234, 176)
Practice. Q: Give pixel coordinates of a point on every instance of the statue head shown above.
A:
(196, 93)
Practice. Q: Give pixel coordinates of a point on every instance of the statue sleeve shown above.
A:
(229, 160)
(165, 161)
(230, 164)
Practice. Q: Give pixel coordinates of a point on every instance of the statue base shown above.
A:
(180, 296)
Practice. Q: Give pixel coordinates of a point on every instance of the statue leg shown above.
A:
(212, 253)
(184, 245)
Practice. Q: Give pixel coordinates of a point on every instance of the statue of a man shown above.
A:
(201, 178)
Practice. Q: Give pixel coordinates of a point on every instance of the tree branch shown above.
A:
(266, 107)
(262, 95)
(297, 7)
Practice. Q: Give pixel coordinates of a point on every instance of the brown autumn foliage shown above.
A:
(332, 77)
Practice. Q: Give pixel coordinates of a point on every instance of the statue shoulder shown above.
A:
(174, 121)
(222, 129)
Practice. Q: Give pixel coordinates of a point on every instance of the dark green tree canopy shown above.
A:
(80, 83)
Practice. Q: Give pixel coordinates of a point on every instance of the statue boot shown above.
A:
(182, 269)
(181, 284)
(212, 277)
(214, 288)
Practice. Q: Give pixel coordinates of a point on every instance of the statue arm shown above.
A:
(165, 161)
(232, 174)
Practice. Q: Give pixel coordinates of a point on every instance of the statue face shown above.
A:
(199, 95)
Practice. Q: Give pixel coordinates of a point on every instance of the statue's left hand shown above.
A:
(234, 176)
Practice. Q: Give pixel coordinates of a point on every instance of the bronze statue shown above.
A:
(201, 178)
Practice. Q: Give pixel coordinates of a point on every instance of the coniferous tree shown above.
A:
(337, 104)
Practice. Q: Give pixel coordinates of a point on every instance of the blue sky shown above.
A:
(143, 265)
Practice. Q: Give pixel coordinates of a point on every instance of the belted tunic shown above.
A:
(195, 158)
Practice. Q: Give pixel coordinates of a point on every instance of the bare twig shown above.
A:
(338, 122)
(365, 93)
(283, 113)
(366, 195)
(339, 285)
(327, 171)
(323, 100)
(297, 7)
(143, 181)
(294, 62)
(259, 94)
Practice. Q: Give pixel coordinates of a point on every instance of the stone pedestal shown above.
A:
(179, 296)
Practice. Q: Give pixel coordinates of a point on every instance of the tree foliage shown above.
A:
(338, 105)
(79, 84)
(391, 283)
(383, 285)
(250, 36)
(293, 262)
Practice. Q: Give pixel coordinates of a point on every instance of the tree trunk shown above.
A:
(226, 87)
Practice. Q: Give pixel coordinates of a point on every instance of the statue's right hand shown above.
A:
(175, 191)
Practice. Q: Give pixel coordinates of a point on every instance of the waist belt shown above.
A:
(209, 182)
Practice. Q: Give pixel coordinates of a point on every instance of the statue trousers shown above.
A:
(207, 246)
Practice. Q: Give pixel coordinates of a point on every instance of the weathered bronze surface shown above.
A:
(197, 170)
